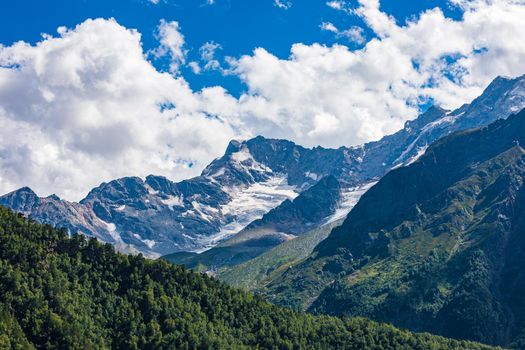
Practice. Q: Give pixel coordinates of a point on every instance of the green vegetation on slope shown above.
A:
(11, 335)
(437, 246)
(72, 293)
(228, 253)
(256, 272)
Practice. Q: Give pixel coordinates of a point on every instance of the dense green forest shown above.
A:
(75, 293)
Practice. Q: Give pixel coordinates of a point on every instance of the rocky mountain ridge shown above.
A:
(157, 216)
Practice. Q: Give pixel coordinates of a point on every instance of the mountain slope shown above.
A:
(73, 293)
(255, 273)
(287, 221)
(157, 216)
(436, 246)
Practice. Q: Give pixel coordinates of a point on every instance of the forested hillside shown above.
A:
(73, 293)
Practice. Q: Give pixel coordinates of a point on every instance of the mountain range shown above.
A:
(254, 180)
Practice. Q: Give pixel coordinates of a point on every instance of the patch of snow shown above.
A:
(148, 242)
(515, 109)
(173, 201)
(112, 230)
(202, 211)
(120, 208)
(250, 203)
(244, 161)
(350, 197)
(451, 113)
(420, 152)
(312, 176)
(447, 119)
(242, 155)
(187, 236)
(151, 190)
(398, 165)
(218, 173)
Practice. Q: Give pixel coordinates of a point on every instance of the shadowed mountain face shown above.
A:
(307, 210)
(290, 219)
(436, 246)
(157, 216)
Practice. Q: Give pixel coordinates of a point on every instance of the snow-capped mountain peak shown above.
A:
(158, 216)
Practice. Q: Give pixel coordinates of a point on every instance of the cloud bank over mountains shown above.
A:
(87, 105)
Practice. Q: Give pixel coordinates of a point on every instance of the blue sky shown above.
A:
(239, 26)
(130, 88)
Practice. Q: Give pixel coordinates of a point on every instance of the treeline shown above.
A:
(58, 292)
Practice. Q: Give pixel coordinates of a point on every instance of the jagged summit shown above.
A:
(432, 114)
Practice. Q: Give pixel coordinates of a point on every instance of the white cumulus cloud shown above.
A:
(283, 4)
(372, 91)
(171, 43)
(352, 34)
(340, 5)
(87, 105)
(207, 53)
